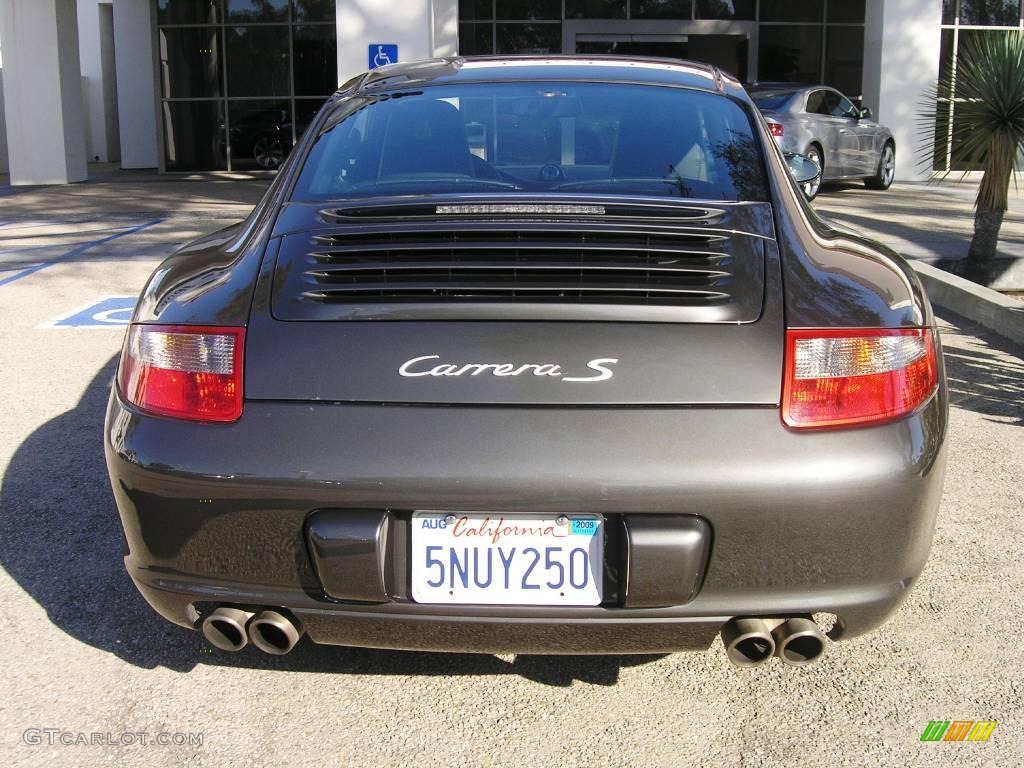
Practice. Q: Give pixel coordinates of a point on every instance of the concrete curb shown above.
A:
(984, 306)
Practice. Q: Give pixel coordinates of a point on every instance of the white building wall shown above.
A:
(92, 85)
(421, 29)
(96, 54)
(901, 61)
(134, 32)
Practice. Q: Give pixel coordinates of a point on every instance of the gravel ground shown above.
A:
(84, 653)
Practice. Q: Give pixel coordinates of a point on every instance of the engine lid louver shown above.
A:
(702, 269)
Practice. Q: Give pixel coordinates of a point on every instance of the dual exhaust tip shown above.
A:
(750, 642)
(231, 629)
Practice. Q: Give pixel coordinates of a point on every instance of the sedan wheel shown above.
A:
(886, 174)
(811, 188)
(268, 152)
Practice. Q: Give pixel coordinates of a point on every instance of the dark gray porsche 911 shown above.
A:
(538, 355)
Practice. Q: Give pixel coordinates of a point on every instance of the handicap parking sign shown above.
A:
(109, 312)
(382, 54)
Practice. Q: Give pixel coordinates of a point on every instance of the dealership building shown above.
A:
(202, 85)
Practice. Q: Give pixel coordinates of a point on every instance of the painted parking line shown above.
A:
(107, 312)
(78, 250)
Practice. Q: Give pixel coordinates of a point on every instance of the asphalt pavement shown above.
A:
(83, 654)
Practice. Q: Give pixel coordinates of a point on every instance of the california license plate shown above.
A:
(493, 559)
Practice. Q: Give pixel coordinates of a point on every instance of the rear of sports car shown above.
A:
(503, 364)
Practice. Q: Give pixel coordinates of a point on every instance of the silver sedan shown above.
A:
(821, 123)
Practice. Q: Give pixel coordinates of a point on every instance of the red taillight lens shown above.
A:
(778, 129)
(184, 371)
(842, 378)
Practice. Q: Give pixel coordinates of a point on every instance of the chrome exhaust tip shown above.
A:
(748, 642)
(225, 628)
(798, 641)
(274, 633)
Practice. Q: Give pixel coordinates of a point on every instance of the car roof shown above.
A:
(611, 69)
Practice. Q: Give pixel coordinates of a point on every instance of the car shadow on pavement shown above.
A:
(987, 378)
(61, 542)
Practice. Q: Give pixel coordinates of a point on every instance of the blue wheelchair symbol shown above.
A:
(382, 54)
(111, 312)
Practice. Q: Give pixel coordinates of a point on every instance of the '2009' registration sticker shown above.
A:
(484, 559)
(584, 527)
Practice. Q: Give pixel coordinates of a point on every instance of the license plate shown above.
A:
(493, 559)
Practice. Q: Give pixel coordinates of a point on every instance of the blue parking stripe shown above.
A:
(76, 251)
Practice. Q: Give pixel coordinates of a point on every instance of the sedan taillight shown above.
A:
(845, 378)
(778, 129)
(184, 371)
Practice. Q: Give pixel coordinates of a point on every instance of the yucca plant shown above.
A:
(986, 94)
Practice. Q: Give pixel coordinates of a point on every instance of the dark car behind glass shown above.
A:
(540, 355)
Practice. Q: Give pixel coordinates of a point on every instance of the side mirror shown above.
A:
(865, 114)
(804, 170)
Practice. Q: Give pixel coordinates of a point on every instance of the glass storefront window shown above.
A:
(949, 11)
(190, 60)
(846, 11)
(235, 72)
(251, 11)
(194, 138)
(661, 9)
(261, 133)
(476, 10)
(595, 9)
(529, 38)
(529, 10)
(314, 10)
(788, 10)
(814, 41)
(476, 39)
(314, 59)
(844, 59)
(257, 61)
(305, 111)
(188, 11)
(990, 13)
(790, 53)
(741, 10)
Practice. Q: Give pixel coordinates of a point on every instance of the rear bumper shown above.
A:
(836, 522)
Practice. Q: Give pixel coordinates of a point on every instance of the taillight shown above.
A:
(843, 378)
(184, 371)
(778, 129)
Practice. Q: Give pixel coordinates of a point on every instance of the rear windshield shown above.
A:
(514, 137)
(771, 100)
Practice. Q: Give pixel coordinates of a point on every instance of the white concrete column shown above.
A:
(3, 122)
(96, 51)
(42, 92)
(445, 28)
(137, 97)
(901, 61)
(421, 29)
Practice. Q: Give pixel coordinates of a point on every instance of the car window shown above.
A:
(844, 107)
(815, 101)
(517, 137)
(824, 102)
(771, 100)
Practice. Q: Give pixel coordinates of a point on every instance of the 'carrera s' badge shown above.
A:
(425, 366)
